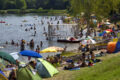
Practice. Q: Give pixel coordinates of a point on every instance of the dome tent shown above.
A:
(26, 73)
(113, 47)
(2, 76)
(45, 69)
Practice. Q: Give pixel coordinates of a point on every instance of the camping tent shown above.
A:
(27, 74)
(2, 76)
(113, 47)
(19, 57)
(15, 55)
(45, 69)
(7, 57)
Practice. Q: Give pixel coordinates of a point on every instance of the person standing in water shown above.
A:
(32, 44)
(38, 49)
(12, 42)
(22, 45)
(41, 43)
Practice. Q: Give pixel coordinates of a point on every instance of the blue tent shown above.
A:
(2, 73)
(30, 53)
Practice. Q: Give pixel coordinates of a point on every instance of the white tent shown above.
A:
(90, 41)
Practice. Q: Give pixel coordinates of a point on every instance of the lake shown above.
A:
(12, 30)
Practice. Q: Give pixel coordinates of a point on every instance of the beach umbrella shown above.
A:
(22, 59)
(59, 49)
(107, 31)
(30, 54)
(48, 50)
(8, 57)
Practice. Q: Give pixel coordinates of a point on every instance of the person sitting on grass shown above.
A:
(12, 75)
(90, 63)
(92, 56)
(70, 66)
(79, 63)
(83, 64)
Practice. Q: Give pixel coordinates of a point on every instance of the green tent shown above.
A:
(27, 74)
(45, 69)
(7, 57)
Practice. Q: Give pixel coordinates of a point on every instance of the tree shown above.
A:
(2, 4)
(101, 8)
(34, 4)
(21, 4)
(83, 8)
(42, 3)
(31, 4)
(10, 4)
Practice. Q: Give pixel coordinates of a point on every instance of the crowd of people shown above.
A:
(87, 58)
(34, 29)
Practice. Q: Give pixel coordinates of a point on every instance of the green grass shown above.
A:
(68, 54)
(109, 69)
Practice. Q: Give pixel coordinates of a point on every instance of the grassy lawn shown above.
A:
(109, 69)
(68, 54)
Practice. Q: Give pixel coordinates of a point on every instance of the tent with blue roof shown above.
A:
(2, 76)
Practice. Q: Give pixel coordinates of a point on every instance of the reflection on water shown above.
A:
(12, 30)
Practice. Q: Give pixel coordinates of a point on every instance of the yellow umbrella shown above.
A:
(48, 50)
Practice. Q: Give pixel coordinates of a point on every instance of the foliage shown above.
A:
(3, 3)
(21, 4)
(101, 8)
(34, 4)
(10, 4)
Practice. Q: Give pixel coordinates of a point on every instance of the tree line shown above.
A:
(34, 4)
(100, 8)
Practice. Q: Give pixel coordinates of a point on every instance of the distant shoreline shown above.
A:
(41, 11)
